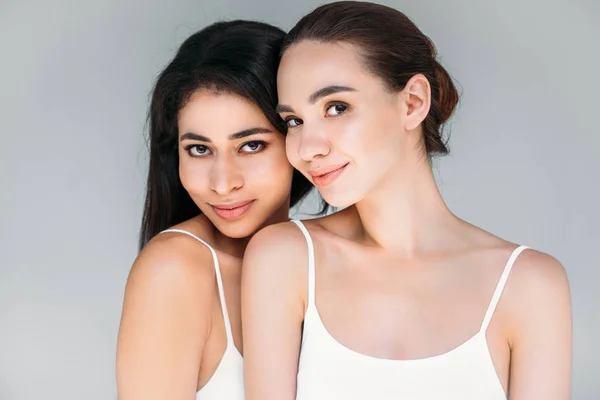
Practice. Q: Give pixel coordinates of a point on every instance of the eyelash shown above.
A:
(262, 145)
(336, 104)
(190, 148)
(327, 108)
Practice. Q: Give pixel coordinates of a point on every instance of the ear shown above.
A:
(416, 97)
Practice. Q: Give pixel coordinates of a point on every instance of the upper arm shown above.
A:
(165, 322)
(541, 343)
(274, 281)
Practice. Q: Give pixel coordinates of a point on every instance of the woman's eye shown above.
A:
(197, 150)
(293, 122)
(336, 109)
(253, 147)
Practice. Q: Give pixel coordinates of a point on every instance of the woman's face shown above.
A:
(233, 164)
(346, 130)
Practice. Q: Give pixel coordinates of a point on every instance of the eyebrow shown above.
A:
(318, 95)
(194, 136)
(248, 132)
(233, 136)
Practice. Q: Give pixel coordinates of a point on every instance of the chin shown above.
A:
(340, 199)
(237, 229)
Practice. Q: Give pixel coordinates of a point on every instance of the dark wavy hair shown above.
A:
(237, 57)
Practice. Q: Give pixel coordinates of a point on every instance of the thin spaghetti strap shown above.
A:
(500, 287)
(219, 280)
(311, 262)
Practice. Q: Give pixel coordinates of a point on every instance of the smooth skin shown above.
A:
(395, 267)
(172, 334)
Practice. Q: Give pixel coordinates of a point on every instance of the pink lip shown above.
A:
(232, 210)
(325, 176)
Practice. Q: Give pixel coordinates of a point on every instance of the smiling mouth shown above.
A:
(232, 210)
(324, 179)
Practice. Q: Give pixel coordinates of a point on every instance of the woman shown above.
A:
(396, 297)
(218, 173)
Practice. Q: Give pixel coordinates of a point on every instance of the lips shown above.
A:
(326, 175)
(232, 210)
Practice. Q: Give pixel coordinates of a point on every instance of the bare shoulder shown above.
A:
(537, 293)
(285, 243)
(276, 261)
(172, 264)
(167, 316)
(535, 273)
(278, 244)
(531, 269)
(274, 300)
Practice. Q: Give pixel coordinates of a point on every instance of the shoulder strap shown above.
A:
(500, 287)
(219, 280)
(311, 262)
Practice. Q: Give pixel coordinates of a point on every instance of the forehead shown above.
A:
(308, 66)
(211, 113)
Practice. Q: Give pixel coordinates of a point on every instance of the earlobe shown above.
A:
(417, 98)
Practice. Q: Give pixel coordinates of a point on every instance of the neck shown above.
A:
(232, 246)
(406, 213)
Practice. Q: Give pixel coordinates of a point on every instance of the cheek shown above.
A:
(367, 137)
(193, 175)
(352, 136)
(292, 141)
(268, 169)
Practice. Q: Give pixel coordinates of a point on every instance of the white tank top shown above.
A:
(329, 370)
(227, 382)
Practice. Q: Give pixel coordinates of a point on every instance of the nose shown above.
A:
(313, 142)
(225, 176)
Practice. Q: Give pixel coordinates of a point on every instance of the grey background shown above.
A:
(74, 85)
